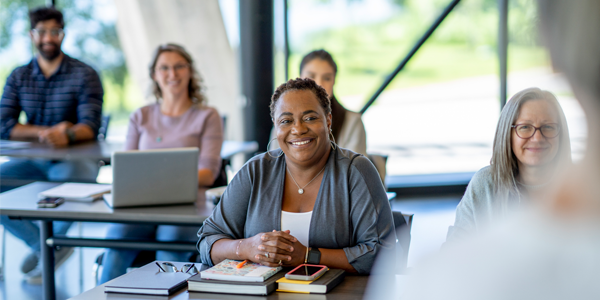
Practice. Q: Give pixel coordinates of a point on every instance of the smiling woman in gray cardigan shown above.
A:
(351, 212)
(351, 216)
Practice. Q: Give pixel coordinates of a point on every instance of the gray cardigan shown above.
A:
(479, 207)
(351, 211)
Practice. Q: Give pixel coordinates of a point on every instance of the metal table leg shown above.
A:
(47, 261)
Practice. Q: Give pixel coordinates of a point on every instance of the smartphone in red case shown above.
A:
(306, 272)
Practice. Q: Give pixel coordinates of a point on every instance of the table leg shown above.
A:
(47, 261)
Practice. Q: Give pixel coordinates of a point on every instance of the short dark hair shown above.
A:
(43, 13)
(320, 54)
(300, 84)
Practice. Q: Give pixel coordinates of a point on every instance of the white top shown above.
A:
(298, 224)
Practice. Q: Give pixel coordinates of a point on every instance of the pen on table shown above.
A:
(240, 265)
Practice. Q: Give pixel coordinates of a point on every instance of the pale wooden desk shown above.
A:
(102, 150)
(353, 287)
(21, 203)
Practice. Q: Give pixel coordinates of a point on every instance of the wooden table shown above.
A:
(21, 203)
(353, 287)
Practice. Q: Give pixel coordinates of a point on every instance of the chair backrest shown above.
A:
(403, 225)
(103, 130)
(379, 161)
(221, 180)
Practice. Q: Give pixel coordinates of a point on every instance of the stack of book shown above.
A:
(321, 285)
(225, 277)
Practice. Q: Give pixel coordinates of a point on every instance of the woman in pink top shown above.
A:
(178, 119)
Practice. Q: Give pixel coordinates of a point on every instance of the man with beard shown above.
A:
(62, 101)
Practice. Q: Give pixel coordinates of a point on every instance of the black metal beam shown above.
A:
(503, 49)
(412, 52)
(286, 50)
(256, 48)
(49, 289)
(121, 244)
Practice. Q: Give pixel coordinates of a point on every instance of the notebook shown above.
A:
(251, 272)
(321, 285)
(70, 191)
(198, 284)
(147, 280)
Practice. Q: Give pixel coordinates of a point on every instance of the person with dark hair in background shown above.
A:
(308, 202)
(62, 101)
(347, 126)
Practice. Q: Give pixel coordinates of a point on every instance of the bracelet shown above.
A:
(237, 250)
(306, 256)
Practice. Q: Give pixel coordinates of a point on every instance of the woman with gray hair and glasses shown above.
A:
(531, 143)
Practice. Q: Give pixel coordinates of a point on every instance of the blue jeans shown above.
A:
(29, 231)
(43, 170)
(49, 170)
(116, 261)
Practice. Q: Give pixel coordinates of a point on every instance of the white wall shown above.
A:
(198, 26)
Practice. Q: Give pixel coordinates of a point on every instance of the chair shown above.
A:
(379, 161)
(221, 179)
(403, 225)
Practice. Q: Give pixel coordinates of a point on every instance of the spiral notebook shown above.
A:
(227, 270)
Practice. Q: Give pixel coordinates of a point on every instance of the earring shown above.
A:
(332, 139)
(269, 151)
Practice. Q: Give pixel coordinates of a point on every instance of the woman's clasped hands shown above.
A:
(273, 249)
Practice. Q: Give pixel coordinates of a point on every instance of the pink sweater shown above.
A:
(198, 127)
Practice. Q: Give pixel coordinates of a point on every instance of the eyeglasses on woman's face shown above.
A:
(164, 69)
(525, 131)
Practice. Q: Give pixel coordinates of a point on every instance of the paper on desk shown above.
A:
(85, 192)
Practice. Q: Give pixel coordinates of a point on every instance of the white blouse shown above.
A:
(298, 224)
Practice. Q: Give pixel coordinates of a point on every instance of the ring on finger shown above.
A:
(280, 262)
(267, 254)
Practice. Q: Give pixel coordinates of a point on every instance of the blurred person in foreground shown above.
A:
(308, 202)
(531, 144)
(347, 127)
(551, 250)
(62, 100)
(179, 118)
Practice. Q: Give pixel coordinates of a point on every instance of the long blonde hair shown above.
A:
(194, 86)
(504, 167)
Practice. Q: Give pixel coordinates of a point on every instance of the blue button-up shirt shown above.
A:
(73, 93)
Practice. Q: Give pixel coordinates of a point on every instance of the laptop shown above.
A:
(154, 177)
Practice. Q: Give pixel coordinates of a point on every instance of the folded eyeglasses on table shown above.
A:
(168, 267)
